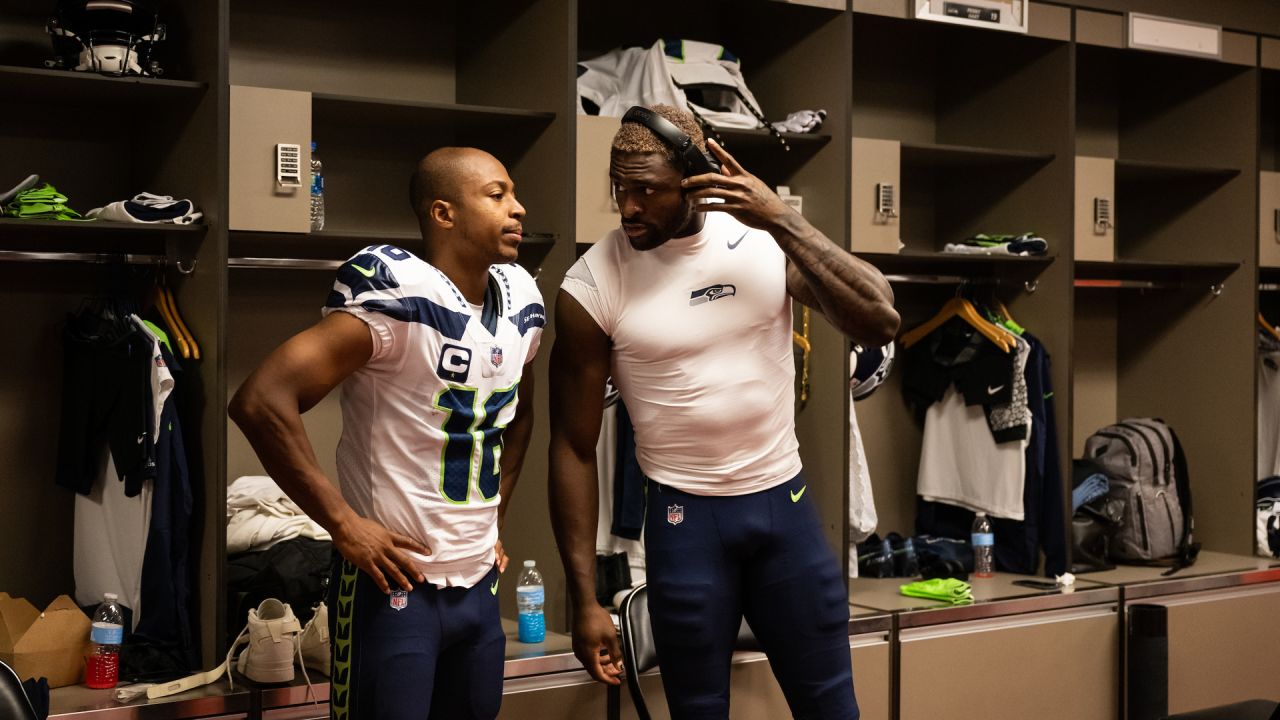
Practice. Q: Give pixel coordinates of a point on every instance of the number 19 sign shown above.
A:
(1009, 15)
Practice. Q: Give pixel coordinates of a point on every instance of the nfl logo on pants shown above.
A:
(675, 514)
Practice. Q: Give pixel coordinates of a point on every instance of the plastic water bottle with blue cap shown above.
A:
(984, 547)
(530, 597)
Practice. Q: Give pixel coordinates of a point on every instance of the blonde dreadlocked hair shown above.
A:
(636, 138)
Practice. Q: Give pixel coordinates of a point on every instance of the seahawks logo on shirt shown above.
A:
(713, 292)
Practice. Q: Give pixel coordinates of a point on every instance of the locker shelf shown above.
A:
(68, 87)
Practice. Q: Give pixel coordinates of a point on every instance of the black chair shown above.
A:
(638, 652)
(14, 704)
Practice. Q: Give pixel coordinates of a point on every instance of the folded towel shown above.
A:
(41, 203)
(149, 208)
(956, 592)
(983, 244)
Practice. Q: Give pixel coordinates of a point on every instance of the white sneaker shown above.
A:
(273, 640)
(314, 654)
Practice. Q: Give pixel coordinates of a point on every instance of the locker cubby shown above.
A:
(100, 139)
(1181, 164)
(1184, 180)
(978, 139)
(967, 124)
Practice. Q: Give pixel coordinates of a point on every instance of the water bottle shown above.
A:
(317, 191)
(102, 664)
(984, 547)
(529, 599)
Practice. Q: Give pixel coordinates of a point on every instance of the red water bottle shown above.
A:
(102, 662)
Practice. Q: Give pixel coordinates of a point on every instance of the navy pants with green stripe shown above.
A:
(713, 560)
(435, 653)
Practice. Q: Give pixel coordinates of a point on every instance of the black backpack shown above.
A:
(1147, 471)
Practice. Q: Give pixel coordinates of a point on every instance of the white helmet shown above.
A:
(868, 369)
(112, 37)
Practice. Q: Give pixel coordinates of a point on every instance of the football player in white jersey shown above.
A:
(433, 357)
(688, 307)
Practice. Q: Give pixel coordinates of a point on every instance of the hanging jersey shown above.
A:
(701, 331)
(422, 421)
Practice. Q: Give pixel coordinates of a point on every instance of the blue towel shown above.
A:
(1093, 487)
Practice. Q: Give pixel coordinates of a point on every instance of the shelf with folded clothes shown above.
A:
(29, 240)
(69, 87)
(1151, 274)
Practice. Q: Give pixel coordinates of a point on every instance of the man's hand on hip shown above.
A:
(379, 553)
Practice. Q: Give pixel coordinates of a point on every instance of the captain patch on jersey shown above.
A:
(431, 403)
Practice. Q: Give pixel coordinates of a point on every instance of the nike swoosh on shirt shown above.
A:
(994, 390)
(738, 242)
(365, 272)
(795, 496)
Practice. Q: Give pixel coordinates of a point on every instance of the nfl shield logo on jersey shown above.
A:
(495, 356)
(675, 514)
(399, 599)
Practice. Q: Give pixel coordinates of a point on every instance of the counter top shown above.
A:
(1211, 571)
(993, 597)
(873, 603)
(76, 701)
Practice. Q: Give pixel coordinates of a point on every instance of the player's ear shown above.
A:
(441, 213)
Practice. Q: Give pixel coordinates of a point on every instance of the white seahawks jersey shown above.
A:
(422, 421)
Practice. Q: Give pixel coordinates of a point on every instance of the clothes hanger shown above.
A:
(174, 320)
(1006, 320)
(175, 333)
(1262, 323)
(958, 306)
(801, 340)
(182, 326)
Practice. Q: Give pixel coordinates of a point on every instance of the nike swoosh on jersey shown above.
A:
(738, 242)
(367, 272)
(994, 390)
(795, 496)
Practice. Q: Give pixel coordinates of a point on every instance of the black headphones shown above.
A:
(696, 162)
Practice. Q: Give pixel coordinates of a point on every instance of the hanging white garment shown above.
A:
(862, 504)
(109, 529)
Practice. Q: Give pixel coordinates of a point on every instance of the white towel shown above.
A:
(260, 515)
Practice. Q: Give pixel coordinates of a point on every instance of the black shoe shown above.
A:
(875, 558)
(905, 562)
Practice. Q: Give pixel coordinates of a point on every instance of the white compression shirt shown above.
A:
(701, 333)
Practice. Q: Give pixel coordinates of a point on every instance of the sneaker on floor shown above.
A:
(314, 654)
(273, 640)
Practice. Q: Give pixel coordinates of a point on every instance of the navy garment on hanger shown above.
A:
(628, 482)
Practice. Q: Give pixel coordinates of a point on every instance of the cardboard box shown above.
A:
(48, 644)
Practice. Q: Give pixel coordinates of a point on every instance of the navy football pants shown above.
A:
(441, 655)
(712, 560)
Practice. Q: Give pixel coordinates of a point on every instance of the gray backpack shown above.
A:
(1148, 475)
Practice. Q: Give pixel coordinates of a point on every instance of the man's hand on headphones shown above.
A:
(743, 195)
